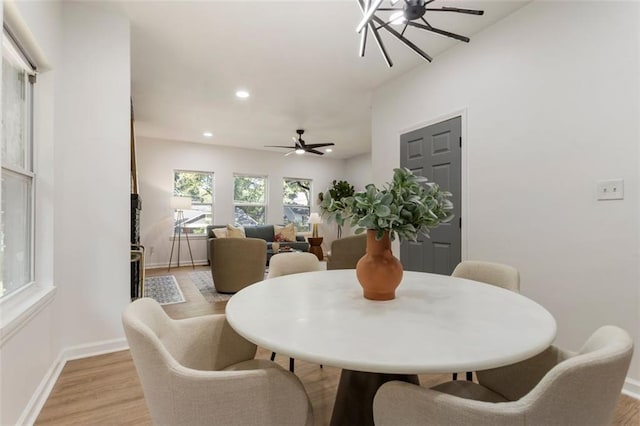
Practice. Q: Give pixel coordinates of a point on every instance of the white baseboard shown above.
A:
(93, 349)
(39, 397)
(631, 388)
(37, 401)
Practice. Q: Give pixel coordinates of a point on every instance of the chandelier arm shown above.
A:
(383, 26)
(383, 50)
(363, 41)
(376, 37)
(363, 37)
(408, 43)
(404, 29)
(439, 31)
(457, 10)
(388, 9)
(368, 14)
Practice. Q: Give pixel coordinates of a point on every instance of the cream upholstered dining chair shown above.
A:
(237, 262)
(292, 263)
(497, 274)
(199, 371)
(345, 252)
(555, 387)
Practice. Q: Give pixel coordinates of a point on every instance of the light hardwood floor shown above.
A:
(104, 390)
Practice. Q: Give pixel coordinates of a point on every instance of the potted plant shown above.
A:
(332, 203)
(405, 207)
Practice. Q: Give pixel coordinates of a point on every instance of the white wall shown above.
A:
(92, 222)
(551, 107)
(157, 159)
(359, 171)
(82, 221)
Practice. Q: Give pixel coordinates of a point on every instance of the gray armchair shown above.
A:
(237, 262)
(199, 371)
(345, 252)
(555, 387)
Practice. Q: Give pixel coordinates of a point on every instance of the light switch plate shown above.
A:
(612, 189)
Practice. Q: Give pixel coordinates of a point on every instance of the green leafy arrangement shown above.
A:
(333, 202)
(407, 206)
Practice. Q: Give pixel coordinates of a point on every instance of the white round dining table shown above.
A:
(435, 324)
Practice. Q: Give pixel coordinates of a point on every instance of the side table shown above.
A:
(315, 247)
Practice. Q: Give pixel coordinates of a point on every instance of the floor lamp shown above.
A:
(180, 204)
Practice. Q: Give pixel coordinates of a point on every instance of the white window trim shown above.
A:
(213, 201)
(16, 56)
(19, 307)
(266, 196)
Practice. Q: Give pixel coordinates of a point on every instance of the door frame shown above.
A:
(464, 161)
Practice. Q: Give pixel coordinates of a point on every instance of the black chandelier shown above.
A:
(411, 14)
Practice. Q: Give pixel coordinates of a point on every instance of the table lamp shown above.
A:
(315, 219)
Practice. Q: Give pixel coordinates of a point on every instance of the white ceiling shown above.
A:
(297, 58)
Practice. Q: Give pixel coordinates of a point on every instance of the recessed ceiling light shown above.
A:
(242, 94)
(328, 150)
(207, 134)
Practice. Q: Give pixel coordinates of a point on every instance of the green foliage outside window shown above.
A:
(199, 187)
(296, 201)
(249, 198)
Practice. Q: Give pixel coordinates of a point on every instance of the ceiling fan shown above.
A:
(300, 147)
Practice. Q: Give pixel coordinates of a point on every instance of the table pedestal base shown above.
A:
(354, 400)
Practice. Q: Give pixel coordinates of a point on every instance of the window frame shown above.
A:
(16, 54)
(265, 203)
(212, 205)
(309, 206)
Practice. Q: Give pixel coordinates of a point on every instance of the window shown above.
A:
(17, 191)
(199, 187)
(296, 199)
(250, 199)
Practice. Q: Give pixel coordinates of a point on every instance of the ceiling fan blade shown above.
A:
(290, 152)
(457, 9)
(280, 146)
(313, 151)
(320, 145)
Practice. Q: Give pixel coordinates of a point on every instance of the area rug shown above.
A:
(164, 289)
(204, 282)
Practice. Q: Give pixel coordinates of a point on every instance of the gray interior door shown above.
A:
(435, 152)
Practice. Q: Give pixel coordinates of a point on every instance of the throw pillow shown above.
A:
(220, 232)
(235, 232)
(286, 233)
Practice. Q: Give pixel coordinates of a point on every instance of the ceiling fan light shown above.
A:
(328, 150)
(299, 151)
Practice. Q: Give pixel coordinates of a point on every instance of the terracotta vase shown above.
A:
(378, 271)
